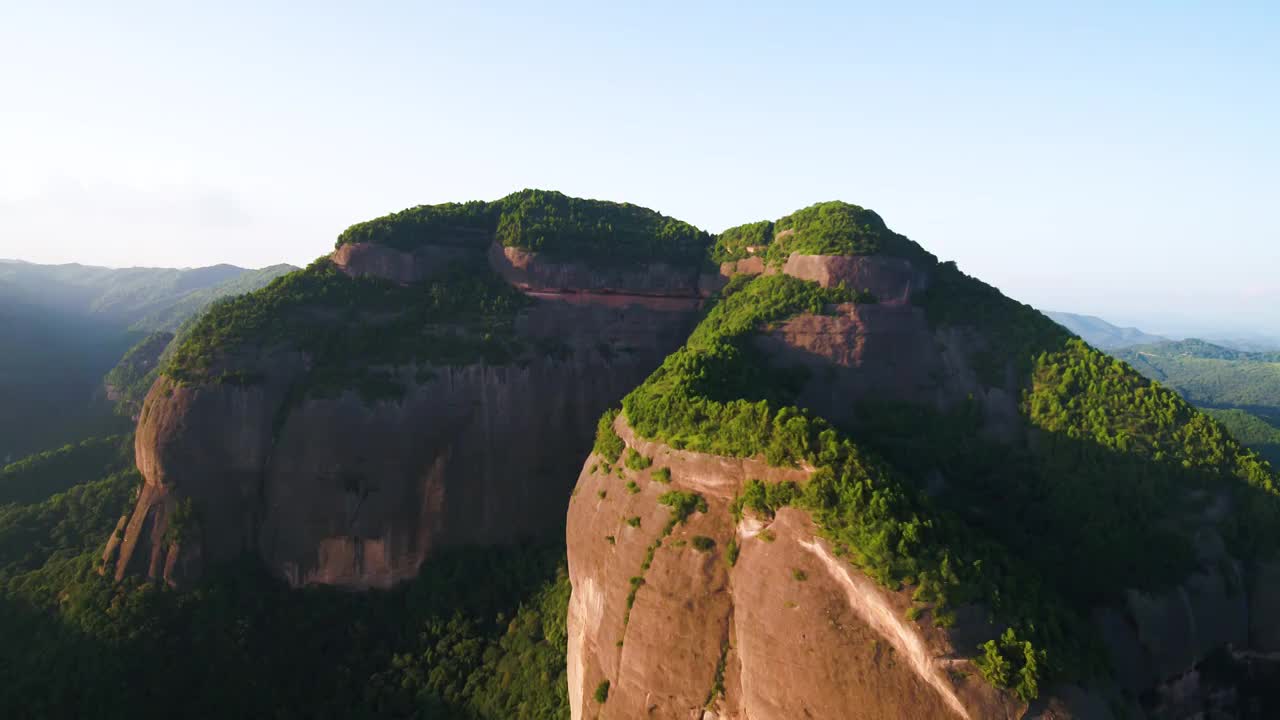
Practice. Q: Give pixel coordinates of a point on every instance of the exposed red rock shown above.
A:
(802, 633)
(343, 491)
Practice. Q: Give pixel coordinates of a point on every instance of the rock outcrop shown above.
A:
(750, 619)
(356, 493)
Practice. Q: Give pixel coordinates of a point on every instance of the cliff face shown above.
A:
(347, 491)
(784, 629)
(760, 617)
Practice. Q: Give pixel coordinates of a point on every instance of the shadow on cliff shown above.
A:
(242, 644)
(1163, 559)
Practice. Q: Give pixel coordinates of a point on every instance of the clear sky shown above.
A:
(1084, 157)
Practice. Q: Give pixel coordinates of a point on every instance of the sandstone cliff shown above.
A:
(341, 490)
(755, 618)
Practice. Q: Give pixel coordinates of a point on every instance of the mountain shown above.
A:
(1252, 431)
(549, 457)
(1213, 376)
(1240, 389)
(170, 317)
(1102, 334)
(67, 325)
(116, 296)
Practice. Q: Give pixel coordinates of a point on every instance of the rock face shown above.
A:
(784, 630)
(347, 492)
(370, 260)
(883, 351)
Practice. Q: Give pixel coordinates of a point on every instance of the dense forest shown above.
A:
(480, 634)
(1212, 376)
(544, 221)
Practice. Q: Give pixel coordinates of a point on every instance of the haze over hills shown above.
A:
(144, 298)
(1213, 376)
(1108, 336)
(1100, 333)
(1237, 386)
(67, 325)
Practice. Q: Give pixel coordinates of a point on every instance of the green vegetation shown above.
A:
(632, 487)
(133, 376)
(696, 401)
(594, 230)
(1252, 431)
(682, 504)
(465, 224)
(763, 498)
(1211, 376)
(702, 543)
(172, 317)
(36, 478)
(62, 528)
(828, 228)
(1110, 474)
(542, 221)
(479, 635)
(662, 475)
(608, 445)
(636, 461)
(717, 685)
(1016, 332)
(602, 692)
(799, 575)
(1011, 663)
(357, 330)
(731, 552)
(734, 243)
(681, 402)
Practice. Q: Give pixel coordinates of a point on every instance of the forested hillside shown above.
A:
(1240, 389)
(480, 634)
(66, 326)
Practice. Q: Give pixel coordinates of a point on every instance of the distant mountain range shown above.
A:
(1237, 384)
(1102, 334)
(65, 326)
(1107, 336)
(144, 298)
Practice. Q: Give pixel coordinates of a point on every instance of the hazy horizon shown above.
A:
(1118, 163)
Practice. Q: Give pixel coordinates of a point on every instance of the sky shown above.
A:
(1117, 161)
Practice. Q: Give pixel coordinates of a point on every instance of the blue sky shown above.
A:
(1117, 161)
